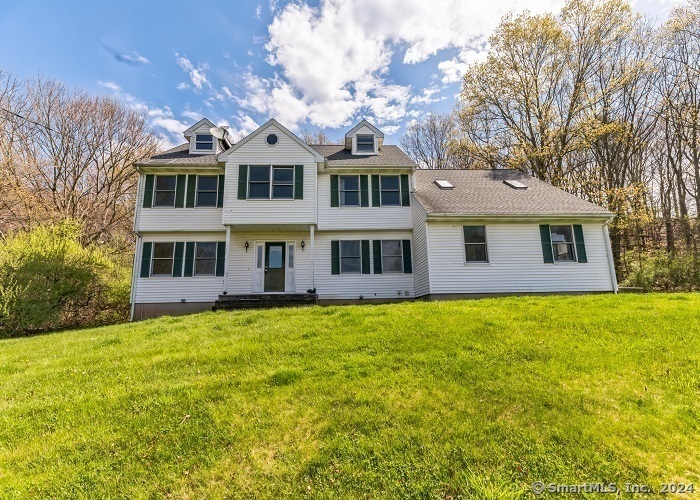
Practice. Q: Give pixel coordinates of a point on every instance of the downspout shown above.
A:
(611, 262)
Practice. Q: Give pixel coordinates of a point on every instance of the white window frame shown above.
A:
(365, 151)
(154, 258)
(384, 271)
(194, 258)
(340, 256)
(464, 246)
(340, 191)
(572, 243)
(196, 192)
(381, 197)
(155, 191)
(197, 142)
(271, 182)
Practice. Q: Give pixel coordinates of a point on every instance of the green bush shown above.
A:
(49, 280)
(661, 271)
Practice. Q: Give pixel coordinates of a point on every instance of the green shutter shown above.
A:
(177, 259)
(334, 191)
(220, 193)
(580, 245)
(407, 261)
(220, 258)
(191, 190)
(335, 257)
(148, 191)
(189, 259)
(365, 256)
(146, 259)
(364, 191)
(546, 238)
(180, 191)
(405, 192)
(377, 256)
(375, 191)
(242, 182)
(298, 182)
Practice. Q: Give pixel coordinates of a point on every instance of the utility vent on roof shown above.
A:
(442, 184)
(515, 184)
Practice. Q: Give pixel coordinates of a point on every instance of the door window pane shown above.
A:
(290, 253)
(275, 257)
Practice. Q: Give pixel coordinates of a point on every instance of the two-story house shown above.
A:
(358, 221)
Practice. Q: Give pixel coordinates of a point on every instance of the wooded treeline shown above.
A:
(603, 103)
(67, 194)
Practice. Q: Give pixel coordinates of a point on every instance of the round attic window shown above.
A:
(272, 140)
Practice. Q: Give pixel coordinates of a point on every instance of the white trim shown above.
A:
(464, 246)
(611, 260)
(190, 131)
(224, 156)
(378, 133)
(226, 257)
(311, 249)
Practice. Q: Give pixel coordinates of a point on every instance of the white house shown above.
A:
(271, 219)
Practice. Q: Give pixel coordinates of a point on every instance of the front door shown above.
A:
(274, 267)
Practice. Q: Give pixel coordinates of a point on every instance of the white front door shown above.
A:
(261, 262)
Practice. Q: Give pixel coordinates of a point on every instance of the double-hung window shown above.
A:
(390, 191)
(563, 246)
(350, 257)
(365, 143)
(205, 258)
(204, 142)
(475, 244)
(162, 261)
(392, 256)
(349, 190)
(271, 182)
(165, 191)
(207, 189)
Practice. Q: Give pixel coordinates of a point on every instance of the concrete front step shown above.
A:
(264, 301)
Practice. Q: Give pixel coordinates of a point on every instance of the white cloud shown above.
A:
(182, 86)
(197, 74)
(135, 57)
(332, 61)
(258, 11)
(168, 129)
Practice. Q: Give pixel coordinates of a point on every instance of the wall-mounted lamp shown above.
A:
(246, 247)
(302, 245)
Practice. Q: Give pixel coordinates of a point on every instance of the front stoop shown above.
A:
(264, 301)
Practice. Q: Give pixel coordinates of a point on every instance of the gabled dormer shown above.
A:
(364, 139)
(201, 140)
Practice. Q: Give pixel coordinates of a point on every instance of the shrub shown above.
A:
(49, 280)
(665, 272)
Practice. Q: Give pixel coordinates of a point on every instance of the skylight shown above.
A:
(515, 184)
(443, 184)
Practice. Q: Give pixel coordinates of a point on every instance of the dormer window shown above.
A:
(204, 142)
(365, 143)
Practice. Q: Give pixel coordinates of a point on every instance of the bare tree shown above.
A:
(431, 142)
(318, 138)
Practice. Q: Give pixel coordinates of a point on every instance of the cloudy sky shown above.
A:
(309, 64)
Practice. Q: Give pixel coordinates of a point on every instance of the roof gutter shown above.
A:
(605, 216)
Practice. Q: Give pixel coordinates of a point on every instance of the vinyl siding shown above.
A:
(359, 218)
(166, 289)
(515, 262)
(420, 250)
(351, 286)
(241, 263)
(257, 152)
(177, 219)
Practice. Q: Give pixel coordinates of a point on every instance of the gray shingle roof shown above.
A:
(389, 156)
(180, 155)
(482, 192)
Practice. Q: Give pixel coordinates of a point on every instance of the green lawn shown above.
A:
(472, 399)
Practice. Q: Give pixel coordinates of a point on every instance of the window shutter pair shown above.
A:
(546, 239)
(405, 191)
(146, 259)
(335, 191)
(243, 183)
(335, 256)
(192, 191)
(406, 251)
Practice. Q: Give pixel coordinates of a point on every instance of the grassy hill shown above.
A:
(446, 399)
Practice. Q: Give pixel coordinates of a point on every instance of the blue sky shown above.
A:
(311, 65)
